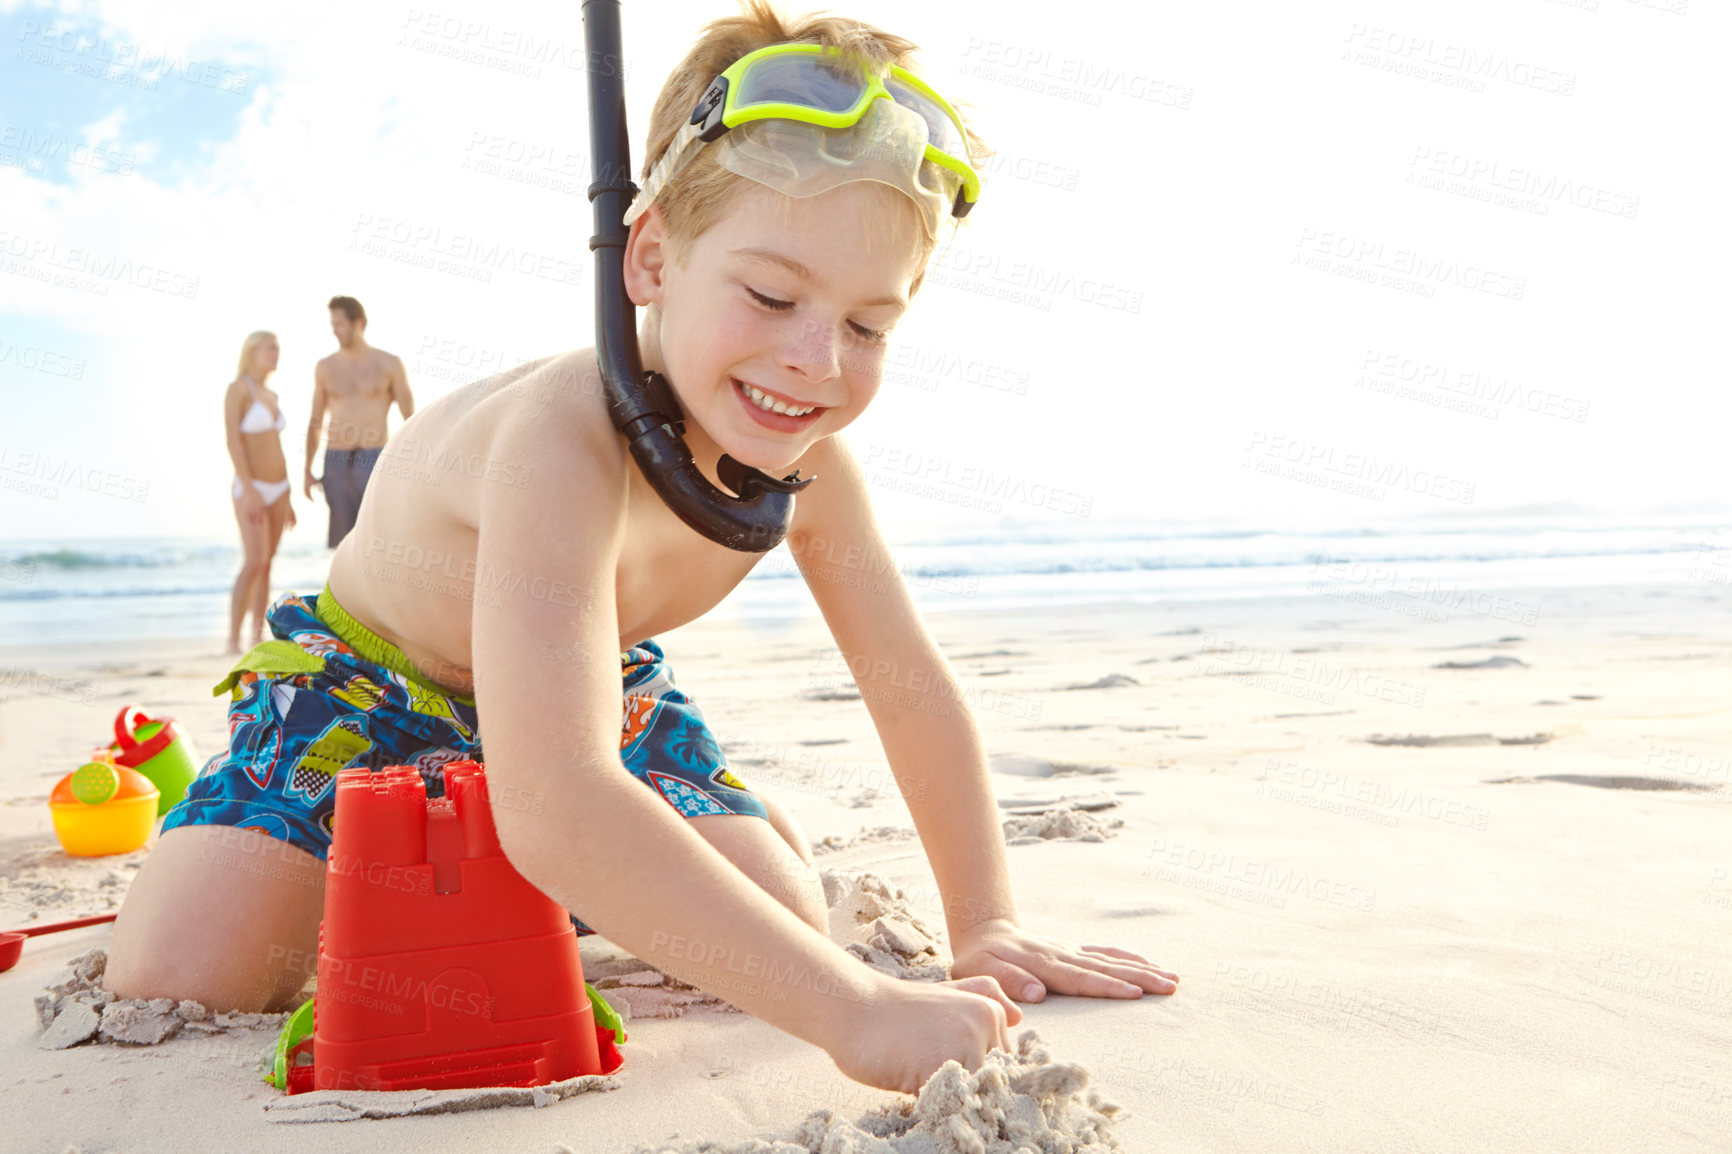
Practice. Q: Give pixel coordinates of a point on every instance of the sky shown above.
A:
(1264, 263)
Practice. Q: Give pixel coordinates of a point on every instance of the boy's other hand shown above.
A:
(1028, 966)
(907, 1030)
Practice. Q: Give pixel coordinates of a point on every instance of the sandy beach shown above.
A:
(1454, 885)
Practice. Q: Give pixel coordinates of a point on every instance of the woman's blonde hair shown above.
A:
(696, 198)
(253, 341)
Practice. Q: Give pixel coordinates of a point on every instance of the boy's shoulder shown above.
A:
(544, 422)
(558, 397)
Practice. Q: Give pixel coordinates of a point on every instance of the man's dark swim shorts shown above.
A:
(347, 472)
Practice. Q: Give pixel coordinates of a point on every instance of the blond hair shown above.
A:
(698, 195)
(253, 341)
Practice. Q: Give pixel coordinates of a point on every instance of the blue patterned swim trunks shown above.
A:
(328, 694)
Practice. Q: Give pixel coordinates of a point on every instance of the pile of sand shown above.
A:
(1068, 823)
(74, 1008)
(637, 990)
(875, 923)
(1012, 1105)
(356, 1105)
(881, 833)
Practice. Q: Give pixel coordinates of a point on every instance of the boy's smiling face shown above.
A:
(781, 304)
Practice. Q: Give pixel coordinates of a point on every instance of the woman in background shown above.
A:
(253, 419)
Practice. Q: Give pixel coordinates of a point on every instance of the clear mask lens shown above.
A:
(805, 80)
(887, 144)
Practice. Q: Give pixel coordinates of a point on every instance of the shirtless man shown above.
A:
(358, 383)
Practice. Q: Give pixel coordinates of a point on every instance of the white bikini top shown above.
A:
(258, 417)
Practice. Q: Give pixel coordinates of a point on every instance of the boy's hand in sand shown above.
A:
(906, 1030)
(1028, 966)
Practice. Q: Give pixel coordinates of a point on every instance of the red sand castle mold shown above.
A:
(440, 966)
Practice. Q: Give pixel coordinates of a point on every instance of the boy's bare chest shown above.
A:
(667, 574)
(410, 569)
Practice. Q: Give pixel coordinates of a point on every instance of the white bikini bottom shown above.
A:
(271, 491)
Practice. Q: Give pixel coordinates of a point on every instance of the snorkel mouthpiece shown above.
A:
(642, 404)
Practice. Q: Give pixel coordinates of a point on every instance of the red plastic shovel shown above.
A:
(12, 941)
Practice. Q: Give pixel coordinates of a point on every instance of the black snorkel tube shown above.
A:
(642, 404)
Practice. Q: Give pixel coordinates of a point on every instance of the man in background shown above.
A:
(357, 383)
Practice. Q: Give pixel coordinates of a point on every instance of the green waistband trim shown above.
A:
(275, 658)
(280, 658)
(371, 646)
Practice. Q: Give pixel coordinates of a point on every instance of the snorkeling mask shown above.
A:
(797, 118)
(802, 119)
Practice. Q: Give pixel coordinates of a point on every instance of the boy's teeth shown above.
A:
(764, 401)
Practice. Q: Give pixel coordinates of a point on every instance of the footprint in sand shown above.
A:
(1110, 681)
(1501, 661)
(1457, 740)
(1658, 784)
(832, 695)
(1018, 765)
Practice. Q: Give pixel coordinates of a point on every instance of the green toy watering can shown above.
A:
(155, 748)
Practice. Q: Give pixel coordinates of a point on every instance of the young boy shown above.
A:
(509, 548)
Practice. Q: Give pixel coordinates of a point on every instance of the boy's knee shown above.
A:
(788, 830)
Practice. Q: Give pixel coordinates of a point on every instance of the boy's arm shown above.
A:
(933, 744)
(547, 686)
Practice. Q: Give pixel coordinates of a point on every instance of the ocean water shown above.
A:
(159, 587)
